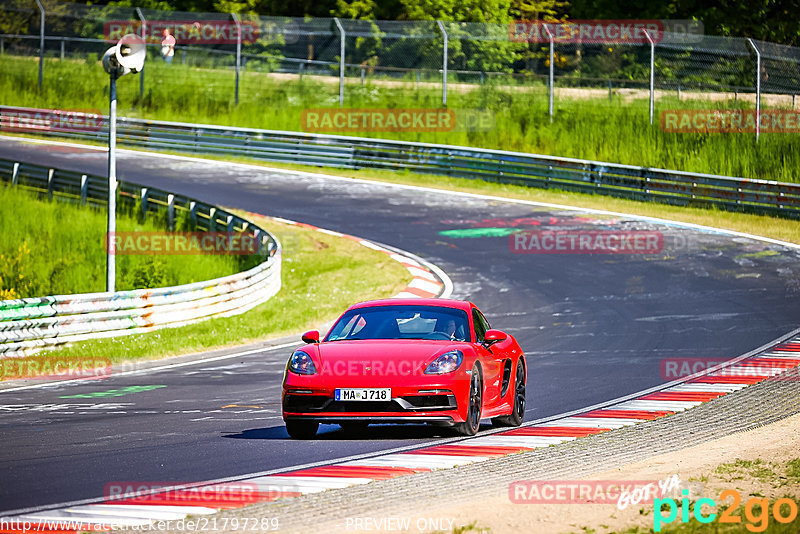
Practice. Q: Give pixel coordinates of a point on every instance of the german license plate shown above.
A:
(363, 394)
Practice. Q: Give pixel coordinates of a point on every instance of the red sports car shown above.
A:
(405, 361)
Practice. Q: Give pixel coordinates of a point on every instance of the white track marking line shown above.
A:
(304, 484)
(711, 388)
(425, 285)
(192, 510)
(418, 461)
(533, 442)
(592, 422)
(671, 406)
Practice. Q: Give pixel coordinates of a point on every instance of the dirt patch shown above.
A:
(756, 463)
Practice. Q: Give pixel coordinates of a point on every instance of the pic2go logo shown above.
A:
(756, 511)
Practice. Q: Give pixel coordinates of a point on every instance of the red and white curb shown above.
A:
(176, 504)
(428, 281)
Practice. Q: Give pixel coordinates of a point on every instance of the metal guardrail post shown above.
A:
(50, 173)
(84, 188)
(62, 49)
(444, 62)
(652, 72)
(193, 214)
(171, 212)
(15, 174)
(41, 42)
(341, 60)
(238, 52)
(144, 203)
(143, 32)
(758, 87)
(551, 79)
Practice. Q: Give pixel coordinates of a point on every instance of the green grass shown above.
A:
(615, 131)
(321, 275)
(53, 247)
(780, 477)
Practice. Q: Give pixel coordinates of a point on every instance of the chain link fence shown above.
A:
(342, 53)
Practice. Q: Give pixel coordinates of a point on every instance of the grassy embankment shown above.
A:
(57, 248)
(321, 276)
(592, 128)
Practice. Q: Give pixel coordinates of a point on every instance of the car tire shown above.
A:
(518, 411)
(301, 429)
(474, 405)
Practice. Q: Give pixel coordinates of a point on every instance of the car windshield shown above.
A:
(402, 322)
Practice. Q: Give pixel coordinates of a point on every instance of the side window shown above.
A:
(481, 326)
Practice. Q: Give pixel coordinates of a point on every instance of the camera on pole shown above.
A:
(126, 56)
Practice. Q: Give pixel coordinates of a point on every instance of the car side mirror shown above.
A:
(312, 336)
(493, 336)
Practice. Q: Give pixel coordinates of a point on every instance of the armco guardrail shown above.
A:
(29, 324)
(625, 181)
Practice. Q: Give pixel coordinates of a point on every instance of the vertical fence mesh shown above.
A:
(305, 53)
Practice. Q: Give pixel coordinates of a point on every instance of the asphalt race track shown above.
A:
(594, 327)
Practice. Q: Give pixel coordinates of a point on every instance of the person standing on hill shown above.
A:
(168, 46)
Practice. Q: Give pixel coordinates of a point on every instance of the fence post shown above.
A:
(444, 62)
(145, 194)
(171, 212)
(238, 53)
(551, 78)
(62, 48)
(758, 87)
(15, 174)
(609, 90)
(2, 45)
(192, 214)
(50, 174)
(652, 72)
(144, 38)
(341, 60)
(84, 188)
(41, 42)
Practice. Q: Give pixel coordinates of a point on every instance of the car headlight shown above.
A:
(445, 363)
(301, 363)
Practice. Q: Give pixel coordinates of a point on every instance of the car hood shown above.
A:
(380, 357)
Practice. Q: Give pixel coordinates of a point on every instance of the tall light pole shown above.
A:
(125, 57)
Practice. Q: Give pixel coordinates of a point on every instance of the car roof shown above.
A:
(442, 303)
